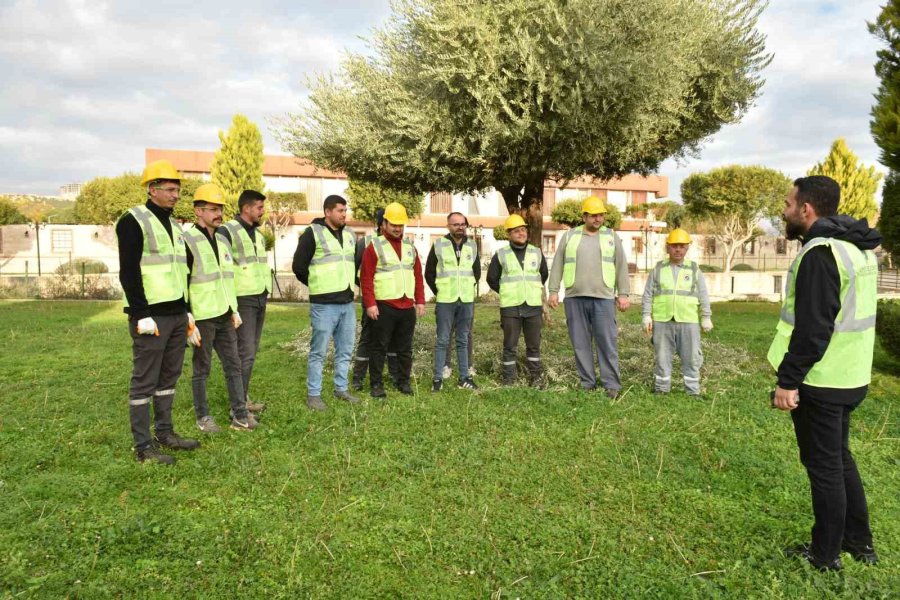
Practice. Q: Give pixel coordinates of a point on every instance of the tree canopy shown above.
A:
(889, 222)
(366, 198)
(9, 212)
(104, 199)
(509, 93)
(568, 212)
(237, 164)
(858, 182)
(732, 201)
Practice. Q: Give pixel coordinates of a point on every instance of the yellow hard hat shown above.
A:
(678, 236)
(513, 221)
(210, 192)
(395, 213)
(159, 169)
(593, 205)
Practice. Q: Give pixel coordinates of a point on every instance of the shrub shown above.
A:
(291, 292)
(64, 286)
(710, 268)
(887, 325)
(91, 267)
(500, 233)
(742, 267)
(20, 287)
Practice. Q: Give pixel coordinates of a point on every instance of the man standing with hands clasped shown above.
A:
(591, 263)
(822, 353)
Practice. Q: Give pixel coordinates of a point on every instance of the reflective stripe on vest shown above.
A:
(520, 283)
(251, 265)
(163, 258)
(394, 276)
(333, 263)
(678, 300)
(367, 239)
(607, 244)
(455, 280)
(212, 281)
(847, 362)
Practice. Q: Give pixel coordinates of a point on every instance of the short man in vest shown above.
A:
(675, 307)
(394, 296)
(325, 261)
(591, 264)
(452, 271)
(153, 274)
(361, 359)
(822, 353)
(518, 273)
(214, 306)
(252, 281)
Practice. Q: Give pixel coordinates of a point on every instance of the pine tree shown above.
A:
(858, 182)
(889, 220)
(237, 165)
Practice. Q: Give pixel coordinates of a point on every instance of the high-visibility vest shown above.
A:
(212, 281)
(607, 255)
(251, 265)
(163, 258)
(394, 276)
(847, 362)
(455, 280)
(333, 263)
(679, 300)
(520, 283)
(367, 239)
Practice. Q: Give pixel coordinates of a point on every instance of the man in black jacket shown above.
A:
(822, 353)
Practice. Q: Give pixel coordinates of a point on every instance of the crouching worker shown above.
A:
(675, 307)
(214, 306)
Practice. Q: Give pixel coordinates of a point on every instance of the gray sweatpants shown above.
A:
(218, 334)
(684, 338)
(157, 362)
(592, 321)
(253, 314)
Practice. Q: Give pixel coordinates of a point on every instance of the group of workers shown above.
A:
(207, 286)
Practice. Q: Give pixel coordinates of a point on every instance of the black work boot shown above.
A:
(510, 372)
(360, 367)
(805, 551)
(152, 455)
(172, 440)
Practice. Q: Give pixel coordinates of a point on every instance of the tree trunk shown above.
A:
(527, 200)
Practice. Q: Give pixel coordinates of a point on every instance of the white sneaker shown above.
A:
(445, 374)
(208, 425)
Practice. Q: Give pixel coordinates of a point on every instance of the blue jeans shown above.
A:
(448, 315)
(329, 321)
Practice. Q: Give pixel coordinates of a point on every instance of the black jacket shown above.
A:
(817, 303)
(431, 264)
(306, 249)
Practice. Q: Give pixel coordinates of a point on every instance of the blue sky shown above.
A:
(89, 84)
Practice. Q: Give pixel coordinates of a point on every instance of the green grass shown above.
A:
(508, 492)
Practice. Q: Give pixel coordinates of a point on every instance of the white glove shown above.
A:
(193, 332)
(147, 326)
(647, 324)
(706, 324)
(236, 320)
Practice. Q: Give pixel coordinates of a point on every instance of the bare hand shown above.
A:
(622, 303)
(372, 312)
(648, 326)
(553, 300)
(785, 399)
(420, 310)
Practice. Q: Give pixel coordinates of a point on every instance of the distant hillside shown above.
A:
(44, 208)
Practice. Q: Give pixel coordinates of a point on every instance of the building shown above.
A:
(70, 191)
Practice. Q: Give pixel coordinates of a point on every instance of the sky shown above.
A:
(88, 85)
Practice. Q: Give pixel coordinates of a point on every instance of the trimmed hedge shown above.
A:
(91, 267)
(887, 325)
(742, 267)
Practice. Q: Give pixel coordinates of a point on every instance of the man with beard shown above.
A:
(822, 353)
(252, 281)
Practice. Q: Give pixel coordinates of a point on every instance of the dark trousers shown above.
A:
(363, 352)
(393, 329)
(157, 363)
(218, 334)
(838, 499)
(512, 329)
(253, 314)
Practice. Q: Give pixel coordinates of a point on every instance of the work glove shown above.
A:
(147, 326)
(647, 324)
(193, 332)
(236, 320)
(706, 324)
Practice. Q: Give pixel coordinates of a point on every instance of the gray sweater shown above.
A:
(588, 269)
(647, 298)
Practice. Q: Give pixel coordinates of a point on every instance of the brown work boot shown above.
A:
(255, 407)
(153, 455)
(172, 440)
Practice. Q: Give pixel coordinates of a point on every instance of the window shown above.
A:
(440, 203)
(61, 240)
(749, 248)
(548, 244)
(777, 279)
(313, 190)
(711, 245)
(637, 245)
(781, 246)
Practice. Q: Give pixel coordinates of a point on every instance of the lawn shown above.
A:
(507, 492)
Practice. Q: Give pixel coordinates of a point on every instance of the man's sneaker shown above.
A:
(446, 372)
(247, 423)
(377, 391)
(347, 396)
(804, 551)
(437, 385)
(467, 384)
(208, 425)
(255, 407)
(315, 403)
(170, 439)
(151, 454)
(863, 553)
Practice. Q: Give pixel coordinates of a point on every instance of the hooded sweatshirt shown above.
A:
(817, 305)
